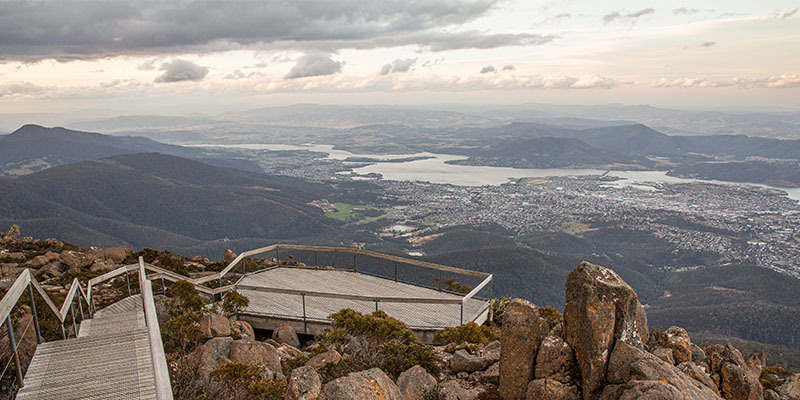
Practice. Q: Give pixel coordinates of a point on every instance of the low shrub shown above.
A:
(377, 326)
(469, 332)
(240, 381)
(551, 315)
(233, 302)
(498, 308)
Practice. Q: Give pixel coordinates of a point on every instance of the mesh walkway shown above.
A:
(110, 359)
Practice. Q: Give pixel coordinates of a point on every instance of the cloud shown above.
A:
(685, 11)
(181, 70)
(398, 65)
(509, 67)
(631, 17)
(314, 65)
(20, 89)
(783, 81)
(487, 69)
(707, 44)
(148, 65)
(32, 31)
(784, 13)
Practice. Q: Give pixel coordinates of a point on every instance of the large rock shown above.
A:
(12, 233)
(790, 388)
(304, 384)
(697, 373)
(629, 363)
(243, 329)
(286, 334)
(600, 309)
(414, 382)
(555, 360)
(48, 271)
(115, 255)
(43, 259)
(456, 390)
(462, 361)
(210, 355)
(522, 331)
(737, 383)
(491, 375)
(319, 361)
(259, 353)
(214, 325)
(678, 340)
(651, 390)
(547, 389)
(229, 256)
(74, 259)
(371, 384)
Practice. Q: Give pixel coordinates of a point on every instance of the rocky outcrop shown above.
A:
(214, 325)
(414, 382)
(12, 233)
(546, 389)
(365, 385)
(736, 380)
(680, 344)
(113, 255)
(286, 334)
(555, 360)
(258, 353)
(229, 256)
(462, 361)
(303, 384)
(600, 310)
(242, 329)
(321, 360)
(522, 331)
(455, 389)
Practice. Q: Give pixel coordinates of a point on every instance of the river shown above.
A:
(436, 170)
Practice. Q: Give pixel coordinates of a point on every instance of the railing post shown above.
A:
(244, 267)
(163, 287)
(277, 258)
(316, 264)
(376, 304)
(462, 313)
(128, 281)
(63, 331)
(354, 262)
(74, 323)
(78, 299)
(13, 343)
(305, 322)
(395, 271)
(35, 315)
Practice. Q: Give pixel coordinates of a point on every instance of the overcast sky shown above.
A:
(164, 57)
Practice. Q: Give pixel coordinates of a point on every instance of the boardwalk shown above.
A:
(346, 284)
(110, 359)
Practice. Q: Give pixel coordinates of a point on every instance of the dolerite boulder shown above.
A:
(210, 355)
(600, 309)
(630, 363)
(546, 389)
(555, 360)
(115, 255)
(319, 361)
(74, 259)
(678, 340)
(372, 384)
(304, 384)
(258, 353)
(462, 361)
(286, 334)
(229, 256)
(522, 331)
(414, 382)
(697, 373)
(214, 325)
(456, 389)
(243, 329)
(12, 233)
(736, 380)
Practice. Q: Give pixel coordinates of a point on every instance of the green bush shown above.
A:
(377, 326)
(452, 285)
(498, 308)
(181, 333)
(551, 315)
(469, 332)
(398, 357)
(656, 338)
(233, 302)
(185, 297)
(240, 381)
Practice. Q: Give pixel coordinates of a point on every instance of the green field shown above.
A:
(347, 212)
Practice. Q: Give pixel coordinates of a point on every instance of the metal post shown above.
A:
(63, 332)
(462, 312)
(315, 259)
(74, 324)
(305, 323)
(376, 304)
(13, 344)
(35, 315)
(128, 281)
(439, 281)
(395, 271)
(354, 262)
(277, 258)
(163, 286)
(220, 281)
(80, 306)
(244, 268)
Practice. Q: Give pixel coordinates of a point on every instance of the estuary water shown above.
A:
(435, 169)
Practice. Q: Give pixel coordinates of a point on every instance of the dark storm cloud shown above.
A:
(90, 29)
(314, 65)
(181, 70)
(398, 65)
(632, 17)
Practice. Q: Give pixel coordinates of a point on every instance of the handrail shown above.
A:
(160, 370)
(416, 300)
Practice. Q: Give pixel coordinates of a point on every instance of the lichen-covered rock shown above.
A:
(555, 360)
(210, 355)
(43, 259)
(48, 271)
(74, 259)
(458, 390)
(698, 355)
(371, 384)
(629, 363)
(286, 334)
(260, 353)
(414, 382)
(303, 384)
(462, 361)
(651, 390)
(115, 255)
(321, 360)
(697, 373)
(665, 354)
(214, 325)
(491, 375)
(790, 388)
(600, 309)
(12, 233)
(522, 331)
(546, 389)
(243, 329)
(678, 340)
(737, 383)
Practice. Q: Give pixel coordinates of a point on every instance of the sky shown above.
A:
(201, 56)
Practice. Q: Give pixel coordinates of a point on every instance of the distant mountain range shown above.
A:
(156, 200)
